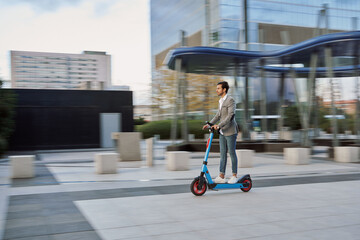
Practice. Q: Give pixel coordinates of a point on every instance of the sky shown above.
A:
(119, 27)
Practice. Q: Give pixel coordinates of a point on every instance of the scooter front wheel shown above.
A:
(247, 182)
(194, 187)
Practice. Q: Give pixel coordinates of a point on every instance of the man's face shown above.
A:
(219, 90)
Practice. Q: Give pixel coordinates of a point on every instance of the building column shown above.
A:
(263, 98)
(311, 86)
(280, 123)
(330, 73)
(357, 84)
(246, 132)
(178, 63)
(302, 112)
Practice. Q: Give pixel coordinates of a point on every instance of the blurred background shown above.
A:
(71, 68)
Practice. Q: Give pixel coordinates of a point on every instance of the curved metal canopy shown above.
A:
(220, 61)
(346, 71)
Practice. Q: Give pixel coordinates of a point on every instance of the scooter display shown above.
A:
(200, 184)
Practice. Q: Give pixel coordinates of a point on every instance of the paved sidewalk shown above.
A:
(67, 200)
(287, 212)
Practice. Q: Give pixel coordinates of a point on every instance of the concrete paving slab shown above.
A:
(3, 208)
(123, 233)
(88, 235)
(21, 232)
(69, 227)
(42, 176)
(46, 237)
(343, 233)
(198, 216)
(180, 236)
(24, 207)
(4, 174)
(2, 227)
(25, 222)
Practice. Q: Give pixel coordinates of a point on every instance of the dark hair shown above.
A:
(224, 84)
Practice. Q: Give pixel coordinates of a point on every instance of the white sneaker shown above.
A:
(219, 180)
(232, 180)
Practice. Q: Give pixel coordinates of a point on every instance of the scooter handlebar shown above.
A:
(211, 129)
(210, 124)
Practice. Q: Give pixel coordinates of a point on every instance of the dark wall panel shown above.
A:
(63, 119)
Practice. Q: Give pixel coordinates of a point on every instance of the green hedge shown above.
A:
(163, 128)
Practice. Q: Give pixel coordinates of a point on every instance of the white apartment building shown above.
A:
(43, 70)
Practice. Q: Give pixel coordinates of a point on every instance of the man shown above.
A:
(228, 131)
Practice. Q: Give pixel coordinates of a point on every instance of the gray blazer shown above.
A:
(226, 116)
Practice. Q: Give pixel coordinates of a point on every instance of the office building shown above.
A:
(43, 70)
(255, 25)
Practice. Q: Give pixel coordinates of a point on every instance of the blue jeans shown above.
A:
(228, 144)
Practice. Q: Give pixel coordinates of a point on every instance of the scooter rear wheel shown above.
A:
(194, 187)
(247, 181)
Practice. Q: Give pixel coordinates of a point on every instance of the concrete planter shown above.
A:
(106, 163)
(177, 161)
(245, 158)
(22, 166)
(297, 156)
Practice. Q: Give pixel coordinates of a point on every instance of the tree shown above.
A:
(292, 119)
(7, 104)
(200, 94)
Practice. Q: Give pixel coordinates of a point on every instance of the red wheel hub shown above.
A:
(196, 188)
(247, 181)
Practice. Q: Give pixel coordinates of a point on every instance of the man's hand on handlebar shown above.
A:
(216, 127)
(206, 126)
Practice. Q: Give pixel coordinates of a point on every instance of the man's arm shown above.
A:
(216, 118)
(231, 113)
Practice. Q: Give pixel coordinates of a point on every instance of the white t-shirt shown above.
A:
(221, 101)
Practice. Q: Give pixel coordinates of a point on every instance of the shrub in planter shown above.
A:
(163, 128)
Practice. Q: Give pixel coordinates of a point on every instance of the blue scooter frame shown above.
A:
(199, 184)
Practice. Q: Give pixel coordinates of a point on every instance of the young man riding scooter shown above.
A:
(228, 131)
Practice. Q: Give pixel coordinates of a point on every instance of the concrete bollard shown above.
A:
(22, 166)
(177, 160)
(106, 163)
(297, 156)
(267, 135)
(253, 135)
(156, 137)
(149, 151)
(239, 137)
(191, 137)
(128, 145)
(206, 136)
(245, 158)
(346, 154)
(286, 135)
(347, 133)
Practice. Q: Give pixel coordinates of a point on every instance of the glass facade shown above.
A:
(169, 17)
(342, 15)
(271, 25)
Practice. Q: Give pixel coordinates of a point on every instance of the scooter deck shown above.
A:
(227, 185)
(216, 186)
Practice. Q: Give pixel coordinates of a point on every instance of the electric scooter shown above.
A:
(200, 184)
